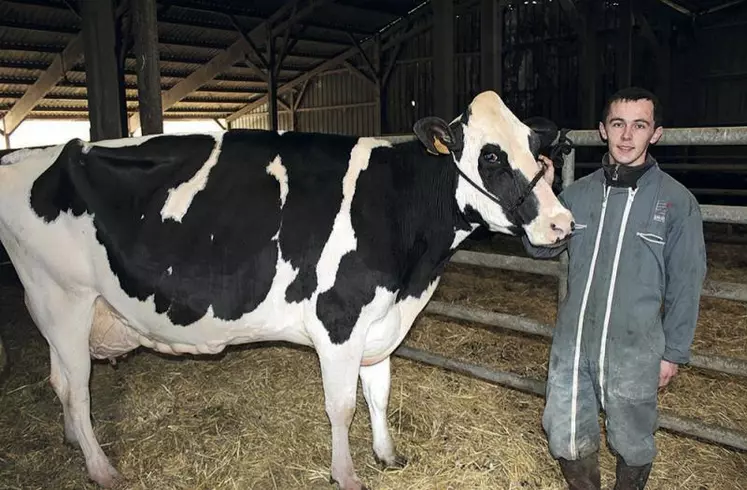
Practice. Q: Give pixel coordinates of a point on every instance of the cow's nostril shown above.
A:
(573, 226)
(554, 227)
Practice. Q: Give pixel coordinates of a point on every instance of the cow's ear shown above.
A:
(545, 132)
(436, 135)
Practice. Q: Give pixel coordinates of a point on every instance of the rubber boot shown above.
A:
(631, 477)
(582, 474)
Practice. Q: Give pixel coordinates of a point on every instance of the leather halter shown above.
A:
(563, 147)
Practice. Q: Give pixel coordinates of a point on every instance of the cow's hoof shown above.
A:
(105, 475)
(357, 485)
(398, 462)
(71, 441)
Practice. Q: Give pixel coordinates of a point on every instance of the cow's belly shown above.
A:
(123, 323)
(385, 336)
(113, 334)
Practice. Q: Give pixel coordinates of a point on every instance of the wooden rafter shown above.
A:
(232, 55)
(71, 55)
(325, 65)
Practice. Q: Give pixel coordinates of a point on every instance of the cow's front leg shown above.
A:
(340, 380)
(376, 381)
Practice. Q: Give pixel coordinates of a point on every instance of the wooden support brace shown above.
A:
(252, 47)
(232, 55)
(363, 54)
(358, 73)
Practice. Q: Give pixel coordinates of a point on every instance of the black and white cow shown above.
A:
(190, 243)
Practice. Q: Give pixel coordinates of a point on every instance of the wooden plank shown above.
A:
(71, 55)
(442, 65)
(105, 87)
(231, 55)
(145, 25)
(491, 45)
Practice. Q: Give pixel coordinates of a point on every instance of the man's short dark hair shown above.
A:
(635, 93)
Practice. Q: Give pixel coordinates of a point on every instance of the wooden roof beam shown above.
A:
(330, 63)
(70, 56)
(679, 8)
(231, 55)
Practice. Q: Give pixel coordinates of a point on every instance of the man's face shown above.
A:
(629, 129)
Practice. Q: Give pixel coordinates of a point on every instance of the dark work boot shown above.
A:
(582, 474)
(631, 477)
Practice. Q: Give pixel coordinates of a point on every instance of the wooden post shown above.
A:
(145, 24)
(491, 45)
(587, 95)
(378, 86)
(442, 64)
(624, 45)
(292, 112)
(106, 108)
(664, 61)
(6, 135)
(272, 84)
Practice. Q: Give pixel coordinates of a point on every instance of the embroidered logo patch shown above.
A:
(660, 213)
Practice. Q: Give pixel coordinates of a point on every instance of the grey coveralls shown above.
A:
(634, 288)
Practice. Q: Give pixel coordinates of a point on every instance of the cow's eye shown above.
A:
(490, 157)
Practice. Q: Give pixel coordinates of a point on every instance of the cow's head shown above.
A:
(496, 155)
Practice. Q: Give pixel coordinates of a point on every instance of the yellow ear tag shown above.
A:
(440, 146)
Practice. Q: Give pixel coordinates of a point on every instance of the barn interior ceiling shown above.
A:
(213, 65)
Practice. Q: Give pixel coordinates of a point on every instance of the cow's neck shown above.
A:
(417, 191)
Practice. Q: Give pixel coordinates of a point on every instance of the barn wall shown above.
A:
(721, 80)
(333, 102)
(541, 72)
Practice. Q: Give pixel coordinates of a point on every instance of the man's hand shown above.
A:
(549, 168)
(667, 371)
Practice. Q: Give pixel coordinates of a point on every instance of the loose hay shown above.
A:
(254, 416)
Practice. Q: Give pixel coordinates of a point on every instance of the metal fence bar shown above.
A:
(728, 365)
(725, 290)
(714, 289)
(682, 425)
(723, 136)
(724, 214)
(508, 262)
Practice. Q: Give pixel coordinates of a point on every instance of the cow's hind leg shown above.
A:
(340, 366)
(59, 382)
(376, 380)
(64, 318)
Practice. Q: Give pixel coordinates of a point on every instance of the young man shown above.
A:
(636, 268)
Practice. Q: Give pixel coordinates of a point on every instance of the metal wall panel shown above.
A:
(336, 102)
(257, 119)
(540, 74)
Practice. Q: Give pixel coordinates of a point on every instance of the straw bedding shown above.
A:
(253, 417)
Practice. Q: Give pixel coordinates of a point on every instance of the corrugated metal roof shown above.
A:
(191, 33)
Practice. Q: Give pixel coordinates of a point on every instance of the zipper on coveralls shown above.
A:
(611, 292)
(580, 325)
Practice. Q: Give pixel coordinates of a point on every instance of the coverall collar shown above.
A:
(623, 176)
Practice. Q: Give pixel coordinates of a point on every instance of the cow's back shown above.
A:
(200, 221)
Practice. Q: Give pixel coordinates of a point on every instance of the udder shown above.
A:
(112, 336)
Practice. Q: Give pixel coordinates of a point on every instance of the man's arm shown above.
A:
(685, 262)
